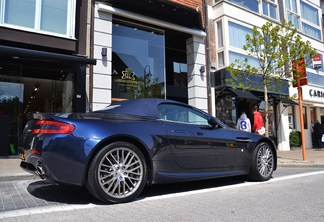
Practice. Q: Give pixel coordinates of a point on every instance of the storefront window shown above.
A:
(322, 115)
(271, 117)
(11, 103)
(225, 109)
(138, 62)
(291, 118)
(180, 75)
(312, 115)
(22, 93)
(305, 118)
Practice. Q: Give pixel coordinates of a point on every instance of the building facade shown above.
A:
(76, 56)
(43, 61)
(148, 49)
(231, 21)
(49, 49)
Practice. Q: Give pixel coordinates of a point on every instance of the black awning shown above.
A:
(245, 94)
(219, 79)
(288, 101)
(22, 52)
(285, 100)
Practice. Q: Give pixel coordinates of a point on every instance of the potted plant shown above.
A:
(294, 139)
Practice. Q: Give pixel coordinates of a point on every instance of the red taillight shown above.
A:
(52, 127)
(36, 152)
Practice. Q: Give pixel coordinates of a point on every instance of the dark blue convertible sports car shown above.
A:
(116, 151)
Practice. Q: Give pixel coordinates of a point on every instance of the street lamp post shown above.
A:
(207, 51)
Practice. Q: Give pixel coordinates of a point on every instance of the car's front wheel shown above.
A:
(262, 162)
(117, 173)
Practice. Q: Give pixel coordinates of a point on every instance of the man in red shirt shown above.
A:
(257, 120)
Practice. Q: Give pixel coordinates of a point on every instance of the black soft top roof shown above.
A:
(147, 107)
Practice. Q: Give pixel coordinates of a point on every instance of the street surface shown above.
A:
(292, 194)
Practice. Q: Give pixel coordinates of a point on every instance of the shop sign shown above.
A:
(127, 78)
(313, 94)
(317, 61)
(299, 72)
(316, 93)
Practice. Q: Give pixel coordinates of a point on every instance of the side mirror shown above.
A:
(212, 121)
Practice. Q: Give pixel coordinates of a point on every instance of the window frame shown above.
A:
(274, 3)
(221, 44)
(290, 11)
(304, 21)
(70, 20)
(291, 117)
(242, 5)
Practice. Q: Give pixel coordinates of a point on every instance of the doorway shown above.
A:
(22, 92)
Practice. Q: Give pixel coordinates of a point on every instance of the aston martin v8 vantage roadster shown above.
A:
(115, 152)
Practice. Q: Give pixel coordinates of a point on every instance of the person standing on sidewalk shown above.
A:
(318, 131)
(258, 126)
(243, 123)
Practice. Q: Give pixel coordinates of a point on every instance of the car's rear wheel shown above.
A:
(117, 173)
(262, 164)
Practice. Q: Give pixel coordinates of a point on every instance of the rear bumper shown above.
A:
(62, 158)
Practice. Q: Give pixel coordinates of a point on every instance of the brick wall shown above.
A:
(194, 4)
(189, 3)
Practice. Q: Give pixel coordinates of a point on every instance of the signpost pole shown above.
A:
(301, 118)
(300, 79)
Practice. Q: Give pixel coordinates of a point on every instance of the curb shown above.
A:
(17, 177)
(300, 165)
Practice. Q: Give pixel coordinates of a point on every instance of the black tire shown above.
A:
(117, 173)
(262, 162)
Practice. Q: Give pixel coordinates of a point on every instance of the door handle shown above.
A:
(200, 133)
(243, 140)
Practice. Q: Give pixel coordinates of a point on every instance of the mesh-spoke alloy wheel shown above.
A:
(265, 161)
(120, 172)
(117, 173)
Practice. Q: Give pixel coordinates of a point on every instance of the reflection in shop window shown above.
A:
(138, 62)
(180, 74)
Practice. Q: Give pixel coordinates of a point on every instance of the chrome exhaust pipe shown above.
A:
(40, 172)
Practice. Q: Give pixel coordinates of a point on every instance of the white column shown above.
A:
(283, 128)
(197, 82)
(101, 91)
